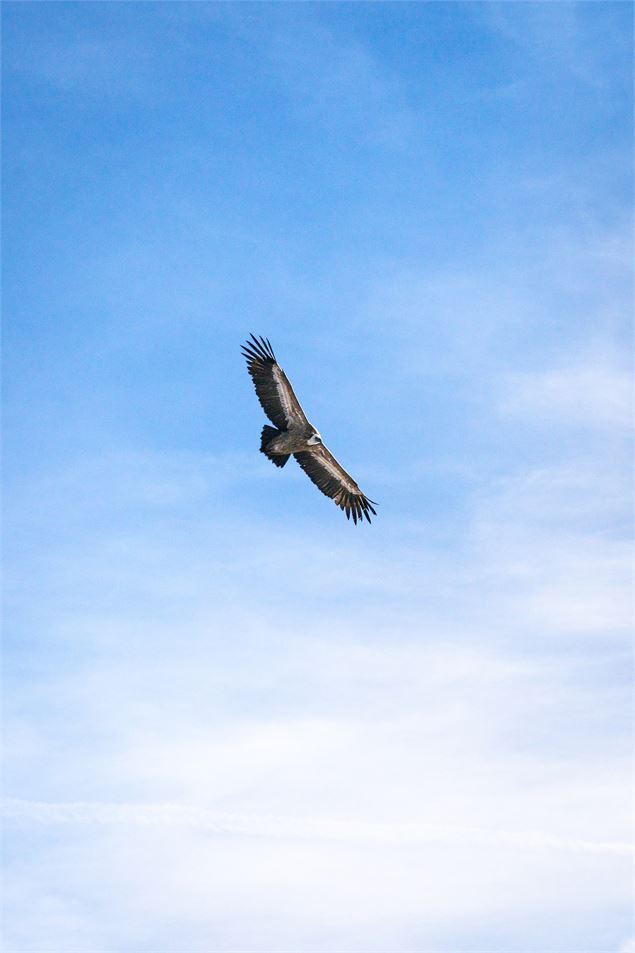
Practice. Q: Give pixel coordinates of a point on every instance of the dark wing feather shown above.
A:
(273, 389)
(322, 468)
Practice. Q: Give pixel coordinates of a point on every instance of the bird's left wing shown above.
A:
(273, 389)
(322, 468)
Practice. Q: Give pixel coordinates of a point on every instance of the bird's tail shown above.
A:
(268, 433)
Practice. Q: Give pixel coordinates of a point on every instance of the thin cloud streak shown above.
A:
(233, 723)
(21, 812)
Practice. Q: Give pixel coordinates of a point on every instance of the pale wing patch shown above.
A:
(290, 404)
(331, 478)
(330, 463)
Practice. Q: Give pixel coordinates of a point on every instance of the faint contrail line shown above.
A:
(223, 823)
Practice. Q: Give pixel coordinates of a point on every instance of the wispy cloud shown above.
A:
(330, 80)
(590, 393)
(234, 721)
(562, 37)
(345, 829)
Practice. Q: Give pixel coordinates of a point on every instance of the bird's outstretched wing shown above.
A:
(273, 389)
(322, 468)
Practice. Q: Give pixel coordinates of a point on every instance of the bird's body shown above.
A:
(292, 433)
(286, 442)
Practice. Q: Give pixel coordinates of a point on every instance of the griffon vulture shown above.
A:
(293, 434)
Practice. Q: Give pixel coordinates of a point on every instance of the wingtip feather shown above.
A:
(258, 349)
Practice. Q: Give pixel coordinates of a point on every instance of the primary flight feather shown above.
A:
(293, 434)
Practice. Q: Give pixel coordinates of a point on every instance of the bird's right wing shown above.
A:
(273, 389)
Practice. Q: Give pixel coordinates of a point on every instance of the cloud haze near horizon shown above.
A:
(234, 722)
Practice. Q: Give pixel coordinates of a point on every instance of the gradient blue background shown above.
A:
(234, 721)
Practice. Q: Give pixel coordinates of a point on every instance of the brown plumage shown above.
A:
(295, 435)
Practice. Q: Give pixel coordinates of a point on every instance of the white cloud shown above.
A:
(562, 38)
(240, 729)
(592, 393)
(219, 752)
(349, 829)
(544, 547)
(298, 777)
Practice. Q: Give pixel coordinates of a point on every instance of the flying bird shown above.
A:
(293, 434)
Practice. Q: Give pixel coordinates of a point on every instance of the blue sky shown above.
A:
(234, 722)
